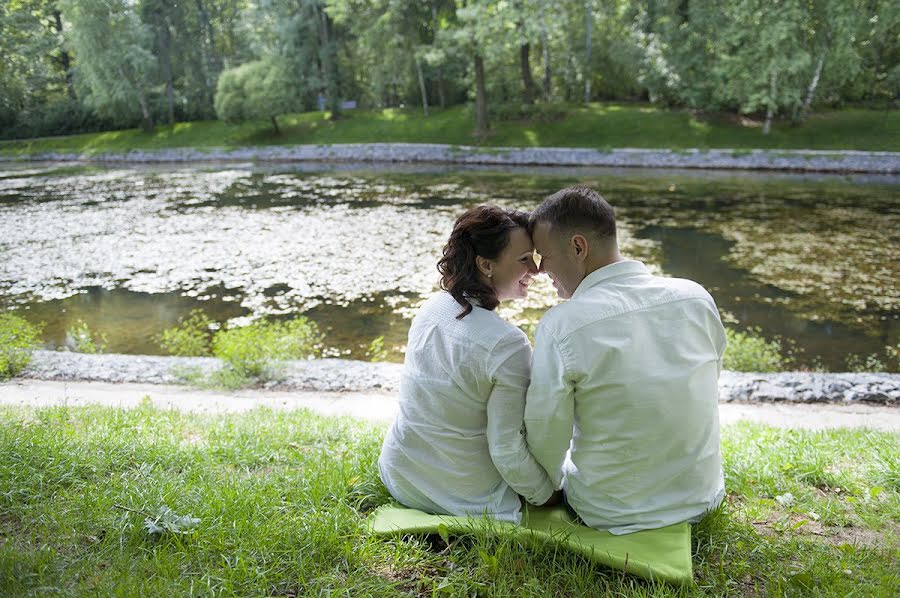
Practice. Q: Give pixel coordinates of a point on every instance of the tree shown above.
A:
(263, 89)
(115, 60)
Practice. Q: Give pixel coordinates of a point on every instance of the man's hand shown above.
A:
(554, 499)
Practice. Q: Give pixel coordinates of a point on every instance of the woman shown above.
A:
(457, 446)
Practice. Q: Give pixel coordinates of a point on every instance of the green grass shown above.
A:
(600, 126)
(282, 499)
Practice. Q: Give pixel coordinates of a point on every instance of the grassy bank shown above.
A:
(601, 126)
(281, 500)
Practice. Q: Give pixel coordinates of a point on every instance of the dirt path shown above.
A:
(382, 407)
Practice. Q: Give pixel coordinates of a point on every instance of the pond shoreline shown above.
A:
(341, 375)
(836, 161)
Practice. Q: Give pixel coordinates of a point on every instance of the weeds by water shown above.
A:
(282, 497)
(81, 339)
(251, 354)
(18, 338)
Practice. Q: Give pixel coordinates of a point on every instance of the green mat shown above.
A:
(660, 554)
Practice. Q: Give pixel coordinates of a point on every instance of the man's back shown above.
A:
(632, 360)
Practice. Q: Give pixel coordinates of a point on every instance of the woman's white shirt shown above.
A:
(457, 445)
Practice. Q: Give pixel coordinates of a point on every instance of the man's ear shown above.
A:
(484, 266)
(581, 246)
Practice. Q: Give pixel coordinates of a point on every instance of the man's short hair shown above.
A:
(576, 209)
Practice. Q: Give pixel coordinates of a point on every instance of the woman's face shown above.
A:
(511, 272)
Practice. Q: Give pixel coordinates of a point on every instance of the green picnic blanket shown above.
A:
(659, 554)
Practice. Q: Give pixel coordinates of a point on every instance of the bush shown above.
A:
(376, 351)
(255, 350)
(18, 338)
(81, 339)
(191, 337)
(750, 352)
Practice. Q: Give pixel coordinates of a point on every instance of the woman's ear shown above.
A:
(485, 266)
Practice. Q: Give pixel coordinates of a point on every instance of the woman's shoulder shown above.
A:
(481, 325)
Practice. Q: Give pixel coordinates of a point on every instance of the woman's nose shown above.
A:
(533, 267)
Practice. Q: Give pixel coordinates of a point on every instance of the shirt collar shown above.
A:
(613, 270)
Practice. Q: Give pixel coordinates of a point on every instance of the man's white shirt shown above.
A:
(622, 409)
(457, 445)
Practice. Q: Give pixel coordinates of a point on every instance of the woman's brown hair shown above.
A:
(480, 231)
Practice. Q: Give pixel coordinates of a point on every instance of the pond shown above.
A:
(130, 250)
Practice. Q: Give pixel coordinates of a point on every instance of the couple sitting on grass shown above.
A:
(615, 414)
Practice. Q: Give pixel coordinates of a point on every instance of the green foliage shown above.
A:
(81, 339)
(192, 337)
(116, 60)
(750, 352)
(376, 350)
(250, 353)
(258, 90)
(18, 338)
(255, 351)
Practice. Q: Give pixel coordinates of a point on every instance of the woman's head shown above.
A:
(489, 257)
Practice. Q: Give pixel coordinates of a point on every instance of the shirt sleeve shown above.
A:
(505, 428)
(549, 406)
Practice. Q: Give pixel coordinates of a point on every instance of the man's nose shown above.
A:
(533, 267)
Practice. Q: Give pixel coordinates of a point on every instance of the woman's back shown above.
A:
(436, 456)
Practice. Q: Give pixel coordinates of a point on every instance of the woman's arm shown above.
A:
(511, 360)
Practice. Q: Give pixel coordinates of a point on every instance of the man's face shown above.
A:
(558, 259)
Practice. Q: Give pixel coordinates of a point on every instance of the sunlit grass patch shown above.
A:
(595, 125)
(282, 498)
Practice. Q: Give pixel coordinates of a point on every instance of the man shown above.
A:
(624, 377)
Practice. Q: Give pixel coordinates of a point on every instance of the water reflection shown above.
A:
(130, 321)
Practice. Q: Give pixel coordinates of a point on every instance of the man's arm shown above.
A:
(505, 430)
(549, 406)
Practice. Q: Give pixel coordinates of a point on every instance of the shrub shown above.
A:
(376, 350)
(255, 350)
(18, 338)
(750, 352)
(191, 337)
(81, 339)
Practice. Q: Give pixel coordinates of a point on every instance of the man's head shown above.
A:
(574, 231)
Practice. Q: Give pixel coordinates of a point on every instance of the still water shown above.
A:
(132, 249)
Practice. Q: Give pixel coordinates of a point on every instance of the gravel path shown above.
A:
(382, 406)
(799, 160)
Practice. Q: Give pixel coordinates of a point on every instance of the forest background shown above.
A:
(75, 66)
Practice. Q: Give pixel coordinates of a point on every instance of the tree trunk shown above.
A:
(165, 59)
(275, 125)
(770, 111)
(545, 47)
(211, 61)
(440, 70)
(65, 60)
(329, 66)
(812, 86)
(422, 85)
(589, 19)
(527, 80)
(146, 116)
(481, 119)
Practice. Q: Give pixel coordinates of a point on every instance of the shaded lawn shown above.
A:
(598, 125)
(282, 498)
